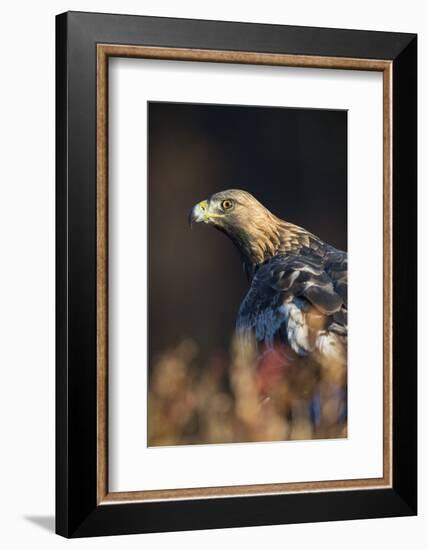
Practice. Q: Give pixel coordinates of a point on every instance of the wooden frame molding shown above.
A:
(104, 52)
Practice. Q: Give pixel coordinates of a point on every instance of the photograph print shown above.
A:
(247, 219)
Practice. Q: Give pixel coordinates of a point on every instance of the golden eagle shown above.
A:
(297, 300)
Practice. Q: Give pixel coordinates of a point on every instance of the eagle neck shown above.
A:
(267, 238)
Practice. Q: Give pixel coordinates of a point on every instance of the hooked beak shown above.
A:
(199, 213)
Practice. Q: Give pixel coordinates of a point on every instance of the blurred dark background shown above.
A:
(293, 160)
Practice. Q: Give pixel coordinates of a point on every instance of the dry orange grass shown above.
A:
(242, 398)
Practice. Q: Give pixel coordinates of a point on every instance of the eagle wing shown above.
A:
(300, 301)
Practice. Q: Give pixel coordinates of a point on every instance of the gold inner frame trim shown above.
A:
(104, 51)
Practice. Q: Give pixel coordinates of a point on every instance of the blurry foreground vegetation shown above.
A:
(243, 398)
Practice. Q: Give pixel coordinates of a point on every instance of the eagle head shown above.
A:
(251, 226)
(258, 234)
(228, 211)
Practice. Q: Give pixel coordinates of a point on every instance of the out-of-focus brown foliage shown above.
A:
(244, 397)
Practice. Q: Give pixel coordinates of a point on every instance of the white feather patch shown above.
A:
(297, 328)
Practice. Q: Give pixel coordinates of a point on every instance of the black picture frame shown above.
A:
(77, 511)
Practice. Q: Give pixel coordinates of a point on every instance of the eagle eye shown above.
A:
(226, 204)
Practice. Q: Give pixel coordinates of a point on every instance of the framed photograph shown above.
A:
(214, 366)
